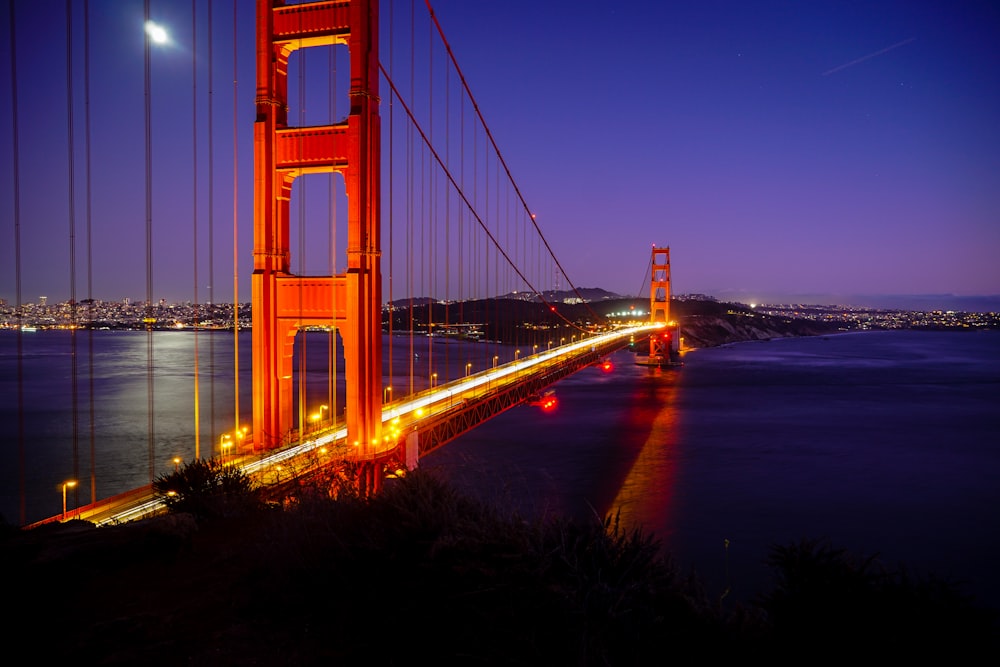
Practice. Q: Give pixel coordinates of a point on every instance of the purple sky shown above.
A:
(783, 150)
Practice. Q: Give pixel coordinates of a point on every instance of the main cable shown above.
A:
(499, 155)
(468, 204)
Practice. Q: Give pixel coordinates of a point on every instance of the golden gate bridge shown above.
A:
(397, 179)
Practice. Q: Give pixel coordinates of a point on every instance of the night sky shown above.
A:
(785, 151)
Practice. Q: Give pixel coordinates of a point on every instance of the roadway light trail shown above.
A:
(435, 402)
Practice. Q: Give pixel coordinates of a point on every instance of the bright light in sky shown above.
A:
(157, 33)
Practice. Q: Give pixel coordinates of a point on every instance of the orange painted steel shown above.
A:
(282, 302)
(659, 301)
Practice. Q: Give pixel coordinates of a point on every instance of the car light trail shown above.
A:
(449, 392)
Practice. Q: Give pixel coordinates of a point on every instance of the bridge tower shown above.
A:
(664, 343)
(283, 303)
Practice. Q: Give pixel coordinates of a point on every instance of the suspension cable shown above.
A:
(236, 254)
(149, 253)
(499, 155)
(469, 204)
(194, 215)
(17, 267)
(90, 263)
(647, 276)
(71, 158)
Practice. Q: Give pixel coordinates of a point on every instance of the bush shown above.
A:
(207, 488)
(828, 597)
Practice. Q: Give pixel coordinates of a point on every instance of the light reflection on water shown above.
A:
(646, 494)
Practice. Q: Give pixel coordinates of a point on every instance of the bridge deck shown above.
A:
(425, 421)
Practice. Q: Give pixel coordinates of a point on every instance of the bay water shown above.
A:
(885, 443)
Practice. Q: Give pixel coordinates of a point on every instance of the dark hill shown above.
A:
(703, 323)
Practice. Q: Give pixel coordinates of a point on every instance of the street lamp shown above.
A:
(387, 395)
(68, 484)
(468, 369)
(177, 463)
(495, 359)
(549, 348)
(517, 353)
(534, 349)
(434, 380)
(225, 442)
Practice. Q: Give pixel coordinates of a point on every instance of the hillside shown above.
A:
(708, 324)
(703, 323)
(423, 575)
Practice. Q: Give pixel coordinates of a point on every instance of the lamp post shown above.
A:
(387, 395)
(66, 485)
(495, 359)
(534, 349)
(468, 369)
(517, 354)
(225, 442)
(177, 463)
(549, 348)
(434, 380)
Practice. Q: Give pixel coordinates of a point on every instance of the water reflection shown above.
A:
(645, 496)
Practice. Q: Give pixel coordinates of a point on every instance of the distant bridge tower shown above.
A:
(663, 344)
(282, 302)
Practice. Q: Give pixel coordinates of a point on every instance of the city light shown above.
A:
(68, 484)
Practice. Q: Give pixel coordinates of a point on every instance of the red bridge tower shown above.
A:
(664, 343)
(282, 302)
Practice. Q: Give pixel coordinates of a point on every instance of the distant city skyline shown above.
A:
(912, 302)
(811, 152)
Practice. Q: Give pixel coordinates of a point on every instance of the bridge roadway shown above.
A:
(424, 421)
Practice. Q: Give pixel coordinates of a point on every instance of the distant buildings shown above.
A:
(124, 314)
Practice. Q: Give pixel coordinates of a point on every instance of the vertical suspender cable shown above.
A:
(236, 255)
(212, 307)
(409, 196)
(149, 252)
(331, 365)
(90, 263)
(503, 163)
(392, 127)
(17, 266)
(429, 256)
(74, 396)
(461, 211)
(302, 250)
(194, 216)
(447, 207)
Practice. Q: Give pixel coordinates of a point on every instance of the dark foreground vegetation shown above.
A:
(422, 575)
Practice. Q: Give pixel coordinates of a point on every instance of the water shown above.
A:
(123, 457)
(883, 442)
